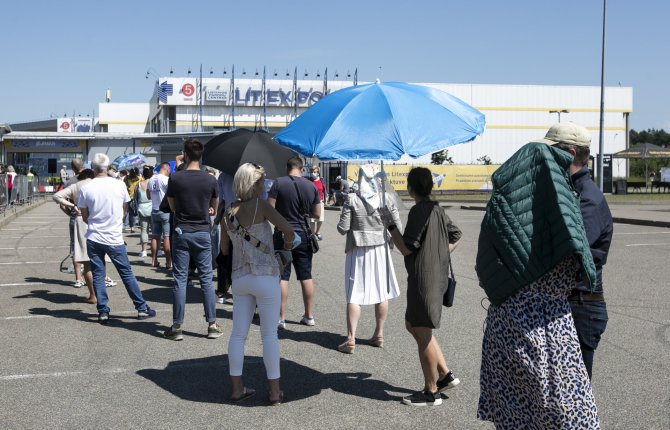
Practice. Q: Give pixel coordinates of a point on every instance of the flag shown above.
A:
(164, 90)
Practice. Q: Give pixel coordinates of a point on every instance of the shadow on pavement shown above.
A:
(206, 380)
(48, 281)
(57, 298)
(322, 338)
(150, 327)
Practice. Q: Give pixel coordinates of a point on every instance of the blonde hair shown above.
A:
(246, 177)
(315, 168)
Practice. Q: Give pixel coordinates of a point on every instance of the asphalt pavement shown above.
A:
(60, 369)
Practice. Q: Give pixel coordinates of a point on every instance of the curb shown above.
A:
(619, 220)
(11, 215)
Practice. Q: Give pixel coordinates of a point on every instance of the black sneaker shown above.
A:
(449, 381)
(103, 317)
(147, 313)
(423, 398)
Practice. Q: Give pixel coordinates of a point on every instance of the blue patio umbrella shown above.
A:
(127, 161)
(173, 167)
(382, 120)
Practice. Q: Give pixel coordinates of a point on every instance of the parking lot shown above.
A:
(60, 369)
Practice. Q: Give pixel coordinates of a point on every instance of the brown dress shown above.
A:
(428, 233)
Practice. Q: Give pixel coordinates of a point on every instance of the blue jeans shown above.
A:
(590, 322)
(117, 253)
(199, 246)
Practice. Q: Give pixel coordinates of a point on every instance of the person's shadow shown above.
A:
(200, 380)
(57, 298)
(30, 279)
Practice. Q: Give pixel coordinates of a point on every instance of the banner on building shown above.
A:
(75, 125)
(445, 177)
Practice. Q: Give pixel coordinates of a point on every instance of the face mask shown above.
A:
(314, 175)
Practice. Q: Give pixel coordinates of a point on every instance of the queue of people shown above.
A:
(542, 245)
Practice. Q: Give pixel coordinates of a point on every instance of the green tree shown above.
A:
(484, 159)
(657, 137)
(441, 157)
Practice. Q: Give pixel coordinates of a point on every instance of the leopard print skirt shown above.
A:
(532, 373)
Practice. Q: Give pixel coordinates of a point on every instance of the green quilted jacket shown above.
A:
(532, 222)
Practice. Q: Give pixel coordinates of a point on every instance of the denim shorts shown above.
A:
(160, 223)
(302, 258)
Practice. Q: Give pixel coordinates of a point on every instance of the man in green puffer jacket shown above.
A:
(522, 235)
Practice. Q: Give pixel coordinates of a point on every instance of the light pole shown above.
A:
(559, 112)
(601, 145)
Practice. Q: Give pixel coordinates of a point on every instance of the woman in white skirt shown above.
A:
(369, 275)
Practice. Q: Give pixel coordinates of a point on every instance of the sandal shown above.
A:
(278, 401)
(248, 392)
(377, 341)
(347, 346)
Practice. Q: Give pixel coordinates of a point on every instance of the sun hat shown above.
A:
(567, 132)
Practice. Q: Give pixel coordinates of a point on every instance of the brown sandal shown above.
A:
(248, 392)
(278, 401)
(377, 341)
(347, 347)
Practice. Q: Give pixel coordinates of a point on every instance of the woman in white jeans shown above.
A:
(255, 275)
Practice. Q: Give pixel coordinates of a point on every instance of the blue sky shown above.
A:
(61, 57)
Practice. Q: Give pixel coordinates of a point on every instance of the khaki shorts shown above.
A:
(322, 217)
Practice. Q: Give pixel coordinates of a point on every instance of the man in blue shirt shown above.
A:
(588, 308)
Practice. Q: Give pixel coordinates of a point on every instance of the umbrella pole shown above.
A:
(386, 242)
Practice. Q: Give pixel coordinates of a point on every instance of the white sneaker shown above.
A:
(109, 282)
(221, 300)
(143, 253)
(307, 321)
(78, 284)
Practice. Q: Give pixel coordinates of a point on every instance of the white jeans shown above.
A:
(248, 292)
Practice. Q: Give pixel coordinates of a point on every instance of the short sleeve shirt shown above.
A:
(104, 199)
(157, 187)
(192, 190)
(295, 209)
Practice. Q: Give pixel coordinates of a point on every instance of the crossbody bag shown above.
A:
(312, 240)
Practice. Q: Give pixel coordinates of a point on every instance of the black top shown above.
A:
(288, 203)
(597, 223)
(192, 191)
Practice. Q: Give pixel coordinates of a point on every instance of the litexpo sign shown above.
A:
(253, 97)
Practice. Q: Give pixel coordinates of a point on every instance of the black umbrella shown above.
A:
(644, 151)
(228, 151)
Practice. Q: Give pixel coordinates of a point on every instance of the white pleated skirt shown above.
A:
(365, 270)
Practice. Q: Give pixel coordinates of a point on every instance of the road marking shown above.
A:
(39, 375)
(38, 247)
(645, 232)
(22, 284)
(34, 237)
(32, 229)
(31, 262)
(649, 244)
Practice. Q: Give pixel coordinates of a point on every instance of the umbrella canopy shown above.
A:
(645, 151)
(173, 166)
(128, 161)
(228, 151)
(383, 120)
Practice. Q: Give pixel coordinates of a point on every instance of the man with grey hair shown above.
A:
(588, 307)
(103, 204)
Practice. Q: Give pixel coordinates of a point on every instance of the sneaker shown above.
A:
(423, 398)
(281, 325)
(147, 313)
(109, 282)
(214, 331)
(126, 228)
(143, 253)
(173, 334)
(307, 321)
(103, 317)
(318, 236)
(78, 284)
(449, 381)
(221, 300)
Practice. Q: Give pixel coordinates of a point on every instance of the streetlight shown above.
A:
(559, 112)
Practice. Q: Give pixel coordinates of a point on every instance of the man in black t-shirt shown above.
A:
(296, 199)
(192, 195)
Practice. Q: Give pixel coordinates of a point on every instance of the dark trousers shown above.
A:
(590, 321)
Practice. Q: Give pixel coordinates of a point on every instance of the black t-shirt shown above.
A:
(283, 191)
(192, 191)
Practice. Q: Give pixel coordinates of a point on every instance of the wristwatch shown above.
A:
(391, 227)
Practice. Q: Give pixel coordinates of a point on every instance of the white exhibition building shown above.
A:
(187, 106)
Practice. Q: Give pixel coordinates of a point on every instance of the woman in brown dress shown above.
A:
(427, 243)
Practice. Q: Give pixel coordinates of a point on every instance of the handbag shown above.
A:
(132, 205)
(448, 298)
(312, 241)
